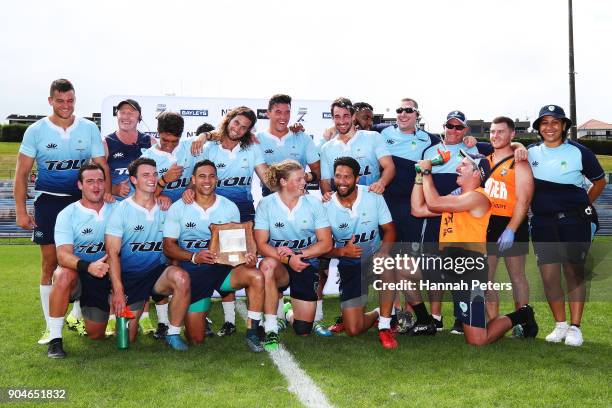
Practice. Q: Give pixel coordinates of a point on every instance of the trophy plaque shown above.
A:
(232, 241)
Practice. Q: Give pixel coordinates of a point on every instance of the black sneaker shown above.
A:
(55, 349)
(161, 331)
(405, 322)
(439, 323)
(209, 330)
(457, 327)
(394, 322)
(261, 332)
(530, 327)
(423, 329)
(227, 329)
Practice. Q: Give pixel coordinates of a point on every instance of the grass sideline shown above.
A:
(351, 371)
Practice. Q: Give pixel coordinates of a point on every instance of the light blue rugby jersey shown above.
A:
(141, 233)
(84, 229)
(294, 146)
(362, 220)
(60, 153)
(365, 146)
(406, 146)
(188, 223)
(295, 228)
(182, 157)
(235, 169)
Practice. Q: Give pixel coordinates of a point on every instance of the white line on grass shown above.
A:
(300, 383)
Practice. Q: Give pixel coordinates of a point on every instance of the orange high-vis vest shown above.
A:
(463, 227)
(501, 186)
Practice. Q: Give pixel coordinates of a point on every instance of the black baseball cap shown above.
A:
(480, 162)
(132, 103)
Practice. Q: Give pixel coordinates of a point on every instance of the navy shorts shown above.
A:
(353, 285)
(303, 284)
(139, 286)
(408, 228)
(497, 225)
(247, 210)
(205, 279)
(469, 306)
(46, 208)
(558, 240)
(93, 294)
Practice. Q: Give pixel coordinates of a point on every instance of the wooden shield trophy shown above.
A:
(232, 241)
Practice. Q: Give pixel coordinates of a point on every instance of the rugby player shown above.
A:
(463, 233)
(237, 158)
(355, 215)
(59, 144)
(510, 187)
(564, 220)
(291, 230)
(82, 268)
(186, 240)
(137, 265)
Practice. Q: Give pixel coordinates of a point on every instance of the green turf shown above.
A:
(606, 162)
(352, 372)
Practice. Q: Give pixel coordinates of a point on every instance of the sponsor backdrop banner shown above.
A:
(314, 115)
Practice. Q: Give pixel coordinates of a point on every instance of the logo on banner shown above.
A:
(225, 111)
(194, 112)
(161, 107)
(262, 114)
(327, 115)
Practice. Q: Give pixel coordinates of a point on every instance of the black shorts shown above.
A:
(138, 287)
(303, 285)
(497, 225)
(205, 279)
(46, 208)
(353, 285)
(557, 240)
(247, 210)
(93, 294)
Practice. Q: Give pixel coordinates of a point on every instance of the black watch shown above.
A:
(426, 172)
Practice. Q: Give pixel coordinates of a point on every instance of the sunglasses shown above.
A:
(406, 110)
(451, 126)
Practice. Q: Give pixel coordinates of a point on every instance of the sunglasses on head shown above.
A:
(406, 110)
(451, 126)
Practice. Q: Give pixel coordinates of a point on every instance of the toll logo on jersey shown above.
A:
(91, 248)
(196, 243)
(180, 183)
(51, 146)
(366, 171)
(496, 189)
(279, 225)
(293, 243)
(121, 171)
(139, 228)
(59, 165)
(235, 181)
(87, 231)
(147, 246)
(360, 238)
(190, 225)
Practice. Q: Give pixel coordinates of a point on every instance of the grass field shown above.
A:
(440, 371)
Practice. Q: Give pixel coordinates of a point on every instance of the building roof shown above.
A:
(594, 124)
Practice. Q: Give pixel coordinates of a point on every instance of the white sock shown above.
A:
(162, 314)
(561, 325)
(393, 311)
(55, 327)
(319, 312)
(254, 315)
(173, 329)
(384, 323)
(76, 310)
(144, 315)
(45, 292)
(271, 323)
(280, 310)
(437, 317)
(229, 311)
(289, 316)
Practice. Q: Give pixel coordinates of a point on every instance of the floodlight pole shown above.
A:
(572, 75)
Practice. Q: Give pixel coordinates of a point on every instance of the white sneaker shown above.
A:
(559, 333)
(574, 337)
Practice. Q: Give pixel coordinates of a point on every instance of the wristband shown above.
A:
(426, 172)
(193, 258)
(82, 266)
(163, 179)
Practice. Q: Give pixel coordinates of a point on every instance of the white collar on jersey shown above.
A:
(280, 141)
(98, 216)
(150, 214)
(171, 156)
(289, 213)
(205, 214)
(353, 210)
(64, 134)
(230, 153)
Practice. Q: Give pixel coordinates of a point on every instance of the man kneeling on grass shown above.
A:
(186, 240)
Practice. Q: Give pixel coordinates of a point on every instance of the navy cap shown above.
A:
(480, 161)
(456, 115)
(554, 111)
(132, 103)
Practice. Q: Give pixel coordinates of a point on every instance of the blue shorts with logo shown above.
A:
(46, 208)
